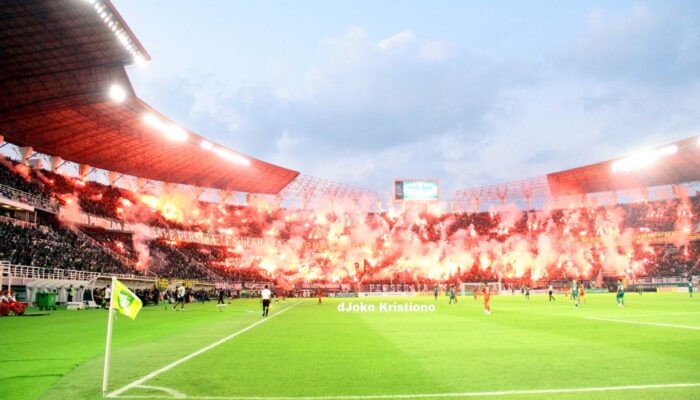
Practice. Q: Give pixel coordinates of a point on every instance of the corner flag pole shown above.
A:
(105, 376)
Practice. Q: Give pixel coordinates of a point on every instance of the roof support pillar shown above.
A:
(678, 191)
(197, 191)
(167, 188)
(113, 177)
(223, 196)
(25, 152)
(250, 198)
(141, 183)
(56, 162)
(83, 171)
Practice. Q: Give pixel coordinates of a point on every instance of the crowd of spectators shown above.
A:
(62, 248)
(19, 177)
(54, 248)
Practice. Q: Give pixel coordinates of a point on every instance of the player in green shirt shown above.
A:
(574, 292)
(452, 295)
(620, 297)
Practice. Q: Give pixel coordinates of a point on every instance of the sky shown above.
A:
(471, 93)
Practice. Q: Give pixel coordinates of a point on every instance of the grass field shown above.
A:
(312, 351)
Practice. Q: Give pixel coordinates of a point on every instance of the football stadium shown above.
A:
(143, 260)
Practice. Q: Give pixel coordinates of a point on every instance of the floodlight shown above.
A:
(231, 156)
(117, 93)
(668, 150)
(175, 132)
(206, 145)
(140, 61)
(153, 121)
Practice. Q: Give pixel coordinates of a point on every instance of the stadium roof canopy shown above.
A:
(60, 59)
(666, 165)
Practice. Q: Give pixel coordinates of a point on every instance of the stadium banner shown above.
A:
(256, 285)
(387, 294)
(344, 294)
(388, 287)
(666, 289)
(327, 286)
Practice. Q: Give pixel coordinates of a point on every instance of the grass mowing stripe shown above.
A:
(624, 321)
(438, 395)
(195, 354)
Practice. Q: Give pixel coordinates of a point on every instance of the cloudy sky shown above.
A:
(471, 93)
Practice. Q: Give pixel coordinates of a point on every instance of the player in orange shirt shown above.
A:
(487, 299)
(319, 294)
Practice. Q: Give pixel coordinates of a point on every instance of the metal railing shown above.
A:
(17, 222)
(94, 243)
(211, 275)
(19, 272)
(42, 203)
(32, 272)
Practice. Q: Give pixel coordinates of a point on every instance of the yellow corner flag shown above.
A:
(128, 304)
(125, 301)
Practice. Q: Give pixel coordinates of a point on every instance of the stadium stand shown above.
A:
(42, 246)
(51, 246)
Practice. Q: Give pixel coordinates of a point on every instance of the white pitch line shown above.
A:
(174, 364)
(438, 395)
(172, 392)
(651, 314)
(624, 321)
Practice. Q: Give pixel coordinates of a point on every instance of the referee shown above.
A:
(266, 295)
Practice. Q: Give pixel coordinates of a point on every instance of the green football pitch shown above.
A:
(526, 349)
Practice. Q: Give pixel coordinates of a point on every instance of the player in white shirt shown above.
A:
(265, 297)
(108, 297)
(180, 293)
(551, 293)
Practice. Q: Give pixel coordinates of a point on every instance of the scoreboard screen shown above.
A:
(416, 190)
